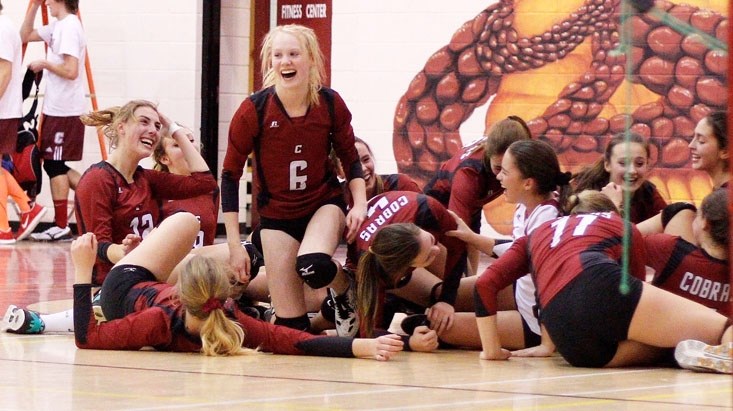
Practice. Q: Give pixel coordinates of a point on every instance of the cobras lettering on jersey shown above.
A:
(705, 288)
(386, 210)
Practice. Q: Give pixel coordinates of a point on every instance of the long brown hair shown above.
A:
(537, 160)
(392, 251)
(589, 201)
(501, 135)
(596, 177)
(108, 119)
(714, 209)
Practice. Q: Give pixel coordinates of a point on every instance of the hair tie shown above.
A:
(563, 178)
(211, 305)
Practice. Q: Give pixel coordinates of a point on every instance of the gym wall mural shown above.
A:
(563, 72)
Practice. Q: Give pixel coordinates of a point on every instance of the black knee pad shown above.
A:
(671, 210)
(55, 168)
(301, 323)
(316, 269)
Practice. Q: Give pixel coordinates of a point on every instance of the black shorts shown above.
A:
(530, 338)
(117, 285)
(296, 227)
(589, 317)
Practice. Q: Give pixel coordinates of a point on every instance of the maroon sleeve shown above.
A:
(465, 193)
(511, 266)
(269, 337)
(637, 259)
(150, 327)
(173, 186)
(242, 131)
(94, 209)
(343, 139)
(658, 202)
(658, 248)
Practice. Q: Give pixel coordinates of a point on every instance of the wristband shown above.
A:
(173, 127)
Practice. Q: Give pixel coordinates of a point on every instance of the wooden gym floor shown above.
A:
(48, 372)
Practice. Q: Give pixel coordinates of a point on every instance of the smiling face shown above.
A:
(173, 156)
(367, 167)
(428, 250)
(705, 152)
(290, 62)
(512, 180)
(140, 134)
(637, 160)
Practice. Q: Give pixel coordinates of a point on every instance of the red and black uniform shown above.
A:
(646, 203)
(398, 182)
(205, 207)
(464, 185)
(111, 208)
(425, 212)
(293, 175)
(687, 270)
(575, 264)
(157, 320)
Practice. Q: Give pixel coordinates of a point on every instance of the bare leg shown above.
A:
(322, 236)
(285, 286)
(165, 246)
(464, 332)
(682, 319)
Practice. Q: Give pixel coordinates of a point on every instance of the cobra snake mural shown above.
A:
(569, 84)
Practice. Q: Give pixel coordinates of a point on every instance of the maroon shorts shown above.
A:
(8, 135)
(62, 138)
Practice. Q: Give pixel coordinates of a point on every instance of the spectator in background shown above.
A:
(62, 134)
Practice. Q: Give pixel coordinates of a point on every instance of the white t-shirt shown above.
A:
(11, 102)
(524, 291)
(64, 98)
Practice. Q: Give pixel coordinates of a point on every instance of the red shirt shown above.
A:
(205, 207)
(688, 271)
(428, 214)
(293, 155)
(464, 185)
(558, 251)
(111, 208)
(158, 321)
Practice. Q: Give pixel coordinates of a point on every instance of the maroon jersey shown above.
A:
(205, 207)
(293, 174)
(688, 271)
(425, 212)
(558, 251)
(646, 203)
(111, 208)
(157, 320)
(464, 185)
(398, 182)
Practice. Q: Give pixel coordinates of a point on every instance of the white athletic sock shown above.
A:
(59, 322)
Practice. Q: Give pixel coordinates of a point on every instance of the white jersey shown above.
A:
(11, 102)
(63, 97)
(524, 290)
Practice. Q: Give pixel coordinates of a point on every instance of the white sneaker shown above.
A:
(347, 322)
(698, 356)
(53, 234)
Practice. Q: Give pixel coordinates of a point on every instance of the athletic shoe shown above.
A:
(21, 321)
(54, 233)
(698, 356)
(347, 323)
(7, 238)
(29, 221)
(411, 322)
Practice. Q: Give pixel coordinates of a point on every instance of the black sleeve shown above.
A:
(82, 311)
(229, 193)
(327, 346)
